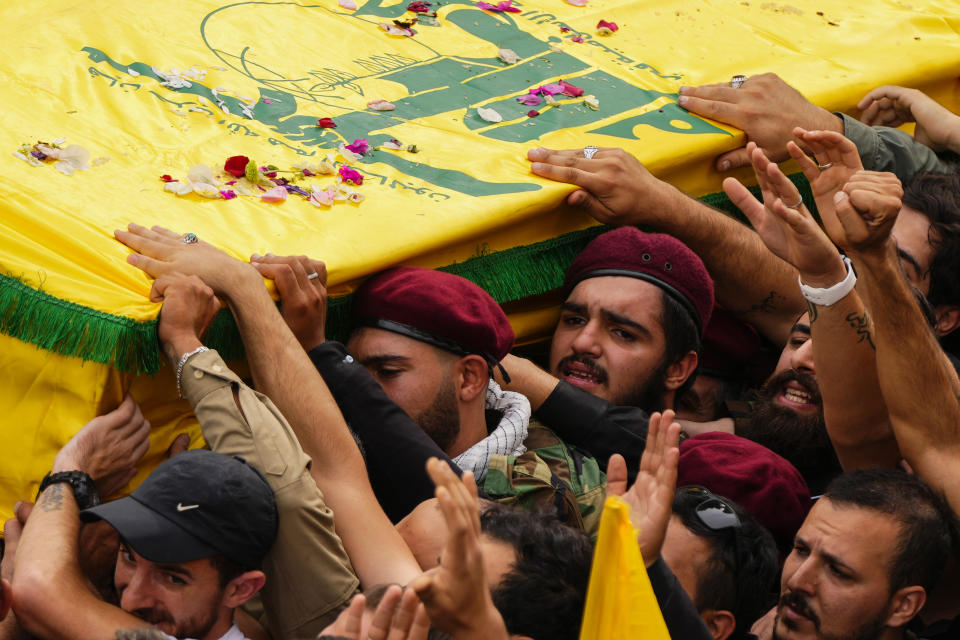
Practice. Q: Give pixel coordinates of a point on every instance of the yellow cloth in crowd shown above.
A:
(158, 87)
(620, 600)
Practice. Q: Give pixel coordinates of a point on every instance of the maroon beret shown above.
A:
(730, 346)
(435, 307)
(655, 257)
(766, 485)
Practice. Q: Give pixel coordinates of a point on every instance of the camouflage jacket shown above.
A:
(551, 477)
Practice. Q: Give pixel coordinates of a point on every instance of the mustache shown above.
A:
(589, 363)
(799, 604)
(776, 383)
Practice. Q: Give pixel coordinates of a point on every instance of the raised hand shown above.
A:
(836, 161)
(108, 447)
(408, 621)
(651, 496)
(891, 106)
(790, 232)
(302, 286)
(456, 593)
(867, 207)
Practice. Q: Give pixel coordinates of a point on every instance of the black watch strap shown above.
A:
(84, 490)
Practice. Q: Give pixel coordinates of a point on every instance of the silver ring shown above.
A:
(589, 151)
(313, 276)
(737, 81)
(824, 167)
(794, 206)
(190, 238)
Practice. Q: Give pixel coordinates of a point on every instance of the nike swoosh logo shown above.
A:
(180, 507)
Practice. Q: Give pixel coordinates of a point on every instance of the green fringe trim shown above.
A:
(36, 317)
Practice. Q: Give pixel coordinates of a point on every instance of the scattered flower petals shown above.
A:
(205, 190)
(605, 28)
(179, 188)
(490, 115)
(570, 90)
(381, 105)
(592, 102)
(576, 39)
(167, 178)
(412, 148)
(277, 194)
(73, 158)
(564, 29)
(552, 88)
(346, 154)
(269, 171)
(348, 174)
(348, 4)
(292, 188)
(533, 113)
(236, 166)
(529, 99)
(200, 173)
(326, 123)
(267, 101)
(322, 197)
(509, 56)
(132, 72)
(252, 172)
(394, 144)
(419, 6)
(577, 3)
(228, 194)
(395, 30)
(505, 5)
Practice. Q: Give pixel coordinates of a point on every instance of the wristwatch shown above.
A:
(84, 490)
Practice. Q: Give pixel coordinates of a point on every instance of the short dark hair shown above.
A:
(937, 197)
(681, 336)
(544, 592)
(751, 571)
(928, 526)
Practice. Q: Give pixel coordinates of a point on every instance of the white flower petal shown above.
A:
(509, 56)
(348, 4)
(179, 188)
(490, 115)
(200, 173)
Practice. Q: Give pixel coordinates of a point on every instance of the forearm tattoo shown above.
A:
(767, 305)
(861, 322)
(52, 498)
(813, 311)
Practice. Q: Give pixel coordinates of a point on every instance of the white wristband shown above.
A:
(183, 361)
(831, 295)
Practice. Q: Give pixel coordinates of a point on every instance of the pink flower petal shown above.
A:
(531, 100)
(533, 113)
(570, 90)
(552, 89)
(277, 194)
(577, 39)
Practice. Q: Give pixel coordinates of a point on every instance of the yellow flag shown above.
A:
(620, 600)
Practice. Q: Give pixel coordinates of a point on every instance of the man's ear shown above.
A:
(6, 597)
(905, 605)
(242, 588)
(721, 623)
(471, 374)
(679, 371)
(948, 318)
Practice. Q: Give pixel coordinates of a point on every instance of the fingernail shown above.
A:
(16, 507)
(839, 196)
(270, 255)
(537, 166)
(684, 89)
(724, 165)
(256, 256)
(682, 100)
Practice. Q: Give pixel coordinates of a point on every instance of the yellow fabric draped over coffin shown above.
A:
(88, 72)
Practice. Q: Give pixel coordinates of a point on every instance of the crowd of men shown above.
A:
(777, 402)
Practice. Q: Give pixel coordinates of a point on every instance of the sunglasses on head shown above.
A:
(716, 514)
(713, 511)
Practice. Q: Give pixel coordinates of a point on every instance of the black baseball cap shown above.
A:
(196, 505)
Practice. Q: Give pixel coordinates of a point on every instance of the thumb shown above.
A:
(616, 475)
(733, 159)
(588, 202)
(849, 217)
